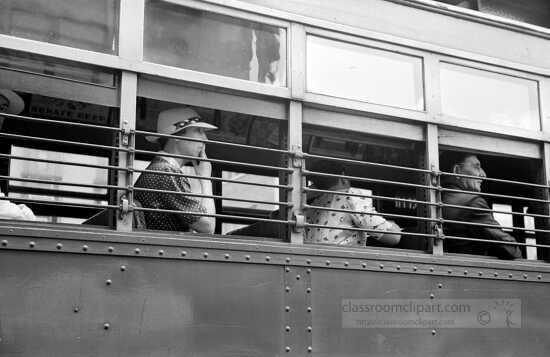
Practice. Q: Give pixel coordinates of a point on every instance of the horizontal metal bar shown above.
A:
(288, 204)
(495, 211)
(66, 142)
(210, 178)
(366, 163)
(57, 203)
(340, 193)
(442, 173)
(59, 183)
(158, 210)
(495, 226)
(372, 213)
(364, 179)
(494, 195)
(65, 123)
(350, 228)
(81, 164)
(498, 242)
(207, 141)
(156, 153)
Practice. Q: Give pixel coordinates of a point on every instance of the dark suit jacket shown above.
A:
(474, 216)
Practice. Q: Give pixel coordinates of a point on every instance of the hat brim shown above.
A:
(15, 103)
(205, 126)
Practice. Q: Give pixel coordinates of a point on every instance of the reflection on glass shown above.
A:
(90, 25)
(361, 73)
(489, 97)
(202, 41)
(58, 172)
(48, 66)
(244, 191)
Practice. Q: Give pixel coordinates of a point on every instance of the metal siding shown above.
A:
(330, 339)
(58, 304)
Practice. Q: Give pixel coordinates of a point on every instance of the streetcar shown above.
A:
(389, 89)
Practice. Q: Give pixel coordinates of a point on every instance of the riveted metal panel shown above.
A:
(330, 338)
(59, 304)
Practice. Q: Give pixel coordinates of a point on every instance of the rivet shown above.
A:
(32, 244)
(381, 266)
(123, 268)
(110, 249)
(364, 265)
(327, 262)
(226, 256)
(267, 258)
(183, 253)
(161, 252)
(205, 255)
(308, 270)
(85, 248)
(449, 271)
(76, 309)
(398, 267)
(465, 272)
(480, 273)
(510, 276)
(434, 332)
(539, 277)
(137, 251)
(309, 329)
(298, 277)
(431, 269)
(287, 328)
(108, 281)
(309, 309)
(308, 290)
(439, 285)
(346, 264)
(287, 308)
(432, 296)
(287, 259)
(59, 246)
(287, 289)
(524, 276)
(309, 349)
(247, 257)
(287, 269)
(4, 242)
(415, 268)
(495, 274)
(308, 261)
(287, 349)
(106, 326)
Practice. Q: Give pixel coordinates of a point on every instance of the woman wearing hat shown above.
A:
(186, 123)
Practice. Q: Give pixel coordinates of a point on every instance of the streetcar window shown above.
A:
(208, 42)
(377, 168)
(90, 25)
(489, 97)
(362, 73)
(242, 170)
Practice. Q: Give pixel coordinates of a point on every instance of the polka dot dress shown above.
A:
(343, 219)
(170, 201)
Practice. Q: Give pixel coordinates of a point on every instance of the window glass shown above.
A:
(90, 25)
(489, 97)
(58, 172)
(361, 73)
(203, 41)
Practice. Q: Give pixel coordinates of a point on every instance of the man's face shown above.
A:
(192, 148)
(470, 166)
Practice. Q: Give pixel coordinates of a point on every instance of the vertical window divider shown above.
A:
(296, 163)
(128, 102)
(435, 245)
(131, 27)
(546, 211)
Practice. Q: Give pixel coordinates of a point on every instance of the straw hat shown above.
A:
(173, 121)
